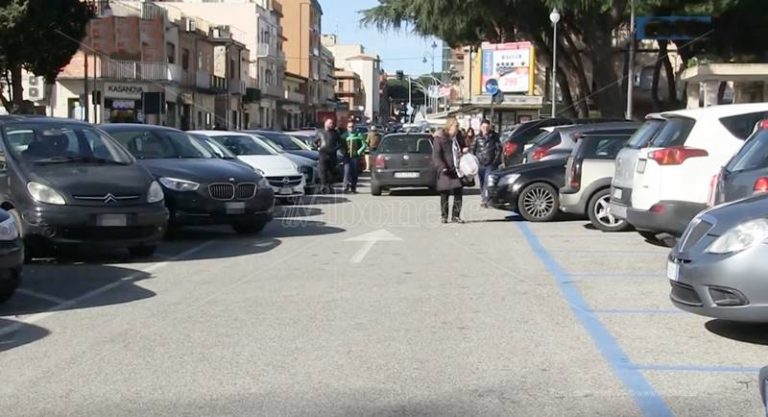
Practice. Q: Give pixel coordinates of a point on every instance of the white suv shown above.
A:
(672, 176)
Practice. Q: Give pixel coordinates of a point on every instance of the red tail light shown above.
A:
(761, 185)
(676, 155)
(381, 162)
(657, 208)
(763, 124)
(539, 153)
(575, 183)
(510, 148)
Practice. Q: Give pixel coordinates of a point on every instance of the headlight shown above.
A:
(45, 194)
(8, 230)
(263, 183)
(155, 193)
(741, 237)
(508, 179)
(179, 184)
(260, 172)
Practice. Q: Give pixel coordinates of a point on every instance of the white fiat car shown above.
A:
(282, 173)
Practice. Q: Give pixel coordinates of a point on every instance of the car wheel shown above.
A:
(9, 284)
(28, 250)
(143, 251)
(538, 203)
(599, 215)
(249, 228)
(375, 189)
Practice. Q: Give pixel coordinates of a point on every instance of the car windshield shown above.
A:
(213, 147)
(62, 144)
(161, 144)
(674, 132)
(541, 137)
(406, 144)
(245, 145)
(645, 134)
(753, 155)
(284, 141)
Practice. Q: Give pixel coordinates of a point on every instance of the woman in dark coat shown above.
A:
(447, 151)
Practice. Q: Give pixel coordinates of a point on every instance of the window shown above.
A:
(645, 134)
(603, 146)
(185, 59)
(170, 49)
(674, 133)
(63, 144)
(231, 68)
(743, 125)
(406, 144)
(754, 154)
(145, 144)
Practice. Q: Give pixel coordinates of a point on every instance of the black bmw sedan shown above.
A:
(199, 187)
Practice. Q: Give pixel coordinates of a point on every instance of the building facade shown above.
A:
(352, 57)
(295, 102)
(301, 30)
(328, 100)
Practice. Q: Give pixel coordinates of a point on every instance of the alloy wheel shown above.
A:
(539, 202)
(603, 215)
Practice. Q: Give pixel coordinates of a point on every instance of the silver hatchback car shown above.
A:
(718, 267)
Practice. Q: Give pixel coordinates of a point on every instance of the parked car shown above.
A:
(287, 143)
(515, 141)
(11, 256)
(528, 189)
(199, 188)
(403, 160)
(718, 267)
(68, 184)
(562, 140)
(763, 386)
(626, 164)
(747, 172)
(306, 162)
(672, 177)
(283, 175)
(588, 176)
(220, 151)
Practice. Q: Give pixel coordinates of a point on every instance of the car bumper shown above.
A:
(728, 287)
(671, 216)
(79, 225)
(502, 198)
(193, 210)
(388, 178)
(572, 202)
(11, 259)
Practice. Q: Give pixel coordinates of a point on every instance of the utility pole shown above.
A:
(631, 66)
(85, 104)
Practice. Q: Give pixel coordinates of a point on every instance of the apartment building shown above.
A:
(350, 92)
(352, 57)
(295, 104)
(327, 87)
(259, 22)
(302, 28)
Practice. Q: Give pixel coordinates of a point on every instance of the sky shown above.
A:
(398, 49)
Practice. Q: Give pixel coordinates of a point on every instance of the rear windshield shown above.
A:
(406, 144)
(161, 144)
(244, 145)
(284, 141)
(674, 133)
(645, 134)
(550, 140)
(602, 146)
(743, 125)
(61, 144)
(753, 155)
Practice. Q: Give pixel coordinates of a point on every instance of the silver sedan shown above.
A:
(720, 266)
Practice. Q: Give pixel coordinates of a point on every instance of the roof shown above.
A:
(141, 126)
(364, 57)
(718, 111)
(18, 118)
(726, 71)
(216, 132)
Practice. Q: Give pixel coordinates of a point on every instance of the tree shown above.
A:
(39, 36)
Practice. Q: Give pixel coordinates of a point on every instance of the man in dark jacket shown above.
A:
(487, 149)
(328, 143)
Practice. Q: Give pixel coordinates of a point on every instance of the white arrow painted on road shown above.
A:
(370, 240)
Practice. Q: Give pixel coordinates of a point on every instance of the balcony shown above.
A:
(237, 87)
(175, 73)
(262, 50)
(218, 84)
(135, 70)
(273, 90)
(203, 80)
(294, 97)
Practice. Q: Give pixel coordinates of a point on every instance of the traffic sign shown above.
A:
(492, 86)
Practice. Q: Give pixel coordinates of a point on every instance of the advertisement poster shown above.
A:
(510, 64)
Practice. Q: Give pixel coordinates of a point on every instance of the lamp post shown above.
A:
(631, 66)
(472, 55)
(554, 17)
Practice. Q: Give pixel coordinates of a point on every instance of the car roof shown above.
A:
(140, 126)
(13, 118)
(408, 134)
(599, 126)
(724, 110)
(218, 132)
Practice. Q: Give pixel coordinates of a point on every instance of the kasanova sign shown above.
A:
(123, 91)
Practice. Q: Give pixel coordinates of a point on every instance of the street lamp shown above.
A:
(472, 55)
(554, 17)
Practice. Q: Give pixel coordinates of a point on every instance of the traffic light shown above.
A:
(400, 75)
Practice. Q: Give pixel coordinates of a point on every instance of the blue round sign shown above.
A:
(492, 86)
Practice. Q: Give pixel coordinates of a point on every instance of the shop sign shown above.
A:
(123, 91)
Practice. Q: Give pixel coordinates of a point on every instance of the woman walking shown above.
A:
(447, 150)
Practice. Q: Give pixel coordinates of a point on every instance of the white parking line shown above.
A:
(41, 296)
(34, 318)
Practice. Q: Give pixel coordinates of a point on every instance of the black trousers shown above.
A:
(458, 198)
(325, 166)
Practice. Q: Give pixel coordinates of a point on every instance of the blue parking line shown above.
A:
(697, 368)
(638, 311)
(583, 276)
(651, 404)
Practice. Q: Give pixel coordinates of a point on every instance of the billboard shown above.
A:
(511, 64)
(673, 28)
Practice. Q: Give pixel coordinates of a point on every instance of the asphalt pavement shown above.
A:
(353, 305)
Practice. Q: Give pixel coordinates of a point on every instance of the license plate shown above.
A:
(112, 220)
(285, 190)
(673, 271)
(618, 193)
(235, 208)
(641, 165)
(407, 175)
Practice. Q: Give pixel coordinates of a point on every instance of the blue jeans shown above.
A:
(483, 173)
(351, 173)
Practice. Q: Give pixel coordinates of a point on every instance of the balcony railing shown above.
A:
(218, 83)
(237, 87)
(135, 70)
(273, 90)
(294, 97)
(203, 80)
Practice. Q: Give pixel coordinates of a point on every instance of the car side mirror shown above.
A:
(763, 385)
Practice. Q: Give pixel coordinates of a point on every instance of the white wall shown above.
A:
(370, 81)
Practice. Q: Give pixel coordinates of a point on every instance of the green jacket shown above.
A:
(355, 144)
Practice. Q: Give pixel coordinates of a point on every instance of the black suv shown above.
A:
(68, 183)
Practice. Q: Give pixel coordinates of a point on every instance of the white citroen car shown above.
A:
(282, 173)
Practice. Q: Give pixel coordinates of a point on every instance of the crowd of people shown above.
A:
(459, 156)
